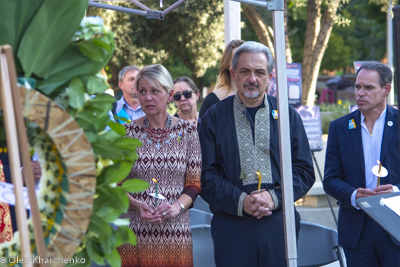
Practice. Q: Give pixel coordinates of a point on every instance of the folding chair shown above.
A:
(203, 247)
(200, 217)
(318, 245)
(201, 204)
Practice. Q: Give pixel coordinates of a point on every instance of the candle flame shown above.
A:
(378, 162)
(258, 173)
(154, 180)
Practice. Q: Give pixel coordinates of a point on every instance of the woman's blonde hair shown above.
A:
(157, 73)
(224, 76)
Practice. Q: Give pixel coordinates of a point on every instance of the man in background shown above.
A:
(128, 106)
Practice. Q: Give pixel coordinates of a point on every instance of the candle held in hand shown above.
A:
(259, 180)
(156, 193)
(379, 171)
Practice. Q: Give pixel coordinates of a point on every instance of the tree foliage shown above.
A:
(324, 35)
(192, 36)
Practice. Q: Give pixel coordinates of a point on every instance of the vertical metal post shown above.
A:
(284, 138)
(232, 21)
(389, 47)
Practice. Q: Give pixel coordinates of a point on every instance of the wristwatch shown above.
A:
(182, 206)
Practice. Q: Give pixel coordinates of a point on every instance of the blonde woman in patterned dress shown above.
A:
(171, 154)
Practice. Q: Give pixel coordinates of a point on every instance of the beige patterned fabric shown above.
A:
(176, 166)
(253, 156)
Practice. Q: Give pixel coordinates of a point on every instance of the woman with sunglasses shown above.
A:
(225, 85)
(186, 95)
(170, 154)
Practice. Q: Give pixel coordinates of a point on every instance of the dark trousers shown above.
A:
(374, 249)
(249, 242)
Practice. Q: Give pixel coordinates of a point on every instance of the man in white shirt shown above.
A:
(366, 137)
(128, 106)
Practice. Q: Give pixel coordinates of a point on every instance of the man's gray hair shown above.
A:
(121, 74)
(254, 47)
(385, 73)
(153, 73)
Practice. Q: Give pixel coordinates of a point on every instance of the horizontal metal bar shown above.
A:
(252, 2)
(119, 8)
(271, 5)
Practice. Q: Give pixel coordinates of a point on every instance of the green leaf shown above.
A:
(101, 42)
(114, 259)
(90, 50)
(91, 136)
(8, 11)
(123, 142)
(108, 243)
(100, 103)
(48, 34)
(116, 172)
(101, 122)
(110, 203)
(95, 251)
(96, 85)
(135, 185)
(128, 147)
(76, 93)
(15, 18)
(121, 119)
(86, 120)
(107, 149)
(70, 64)
(111, 136)
(99, 226)
(125, 235)
(118, 128)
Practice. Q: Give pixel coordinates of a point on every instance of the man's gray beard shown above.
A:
(253, 94)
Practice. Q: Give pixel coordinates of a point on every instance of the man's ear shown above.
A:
(388, 88)
(233, 74)
(120, 85)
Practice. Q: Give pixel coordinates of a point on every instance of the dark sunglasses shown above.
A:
(186, 94)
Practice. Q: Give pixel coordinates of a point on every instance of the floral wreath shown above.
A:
(68, 182)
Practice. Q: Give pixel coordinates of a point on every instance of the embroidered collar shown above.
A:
(254, 156)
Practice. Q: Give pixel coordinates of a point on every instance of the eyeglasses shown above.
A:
(186, 94)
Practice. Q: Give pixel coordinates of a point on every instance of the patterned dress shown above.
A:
(177, 167)
(6, 231)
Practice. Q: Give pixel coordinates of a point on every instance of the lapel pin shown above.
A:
(390, 123)
(275, 114)
(352, 124)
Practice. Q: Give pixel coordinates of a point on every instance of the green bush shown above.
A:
(330, 112)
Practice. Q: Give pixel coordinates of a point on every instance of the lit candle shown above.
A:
(156, 193)
(259, 180)
(379, 171)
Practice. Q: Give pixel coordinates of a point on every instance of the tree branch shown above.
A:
(259, 25)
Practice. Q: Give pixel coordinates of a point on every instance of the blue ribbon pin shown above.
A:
(275, 114)
(352, 124)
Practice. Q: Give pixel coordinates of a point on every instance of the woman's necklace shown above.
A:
(157, 135)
